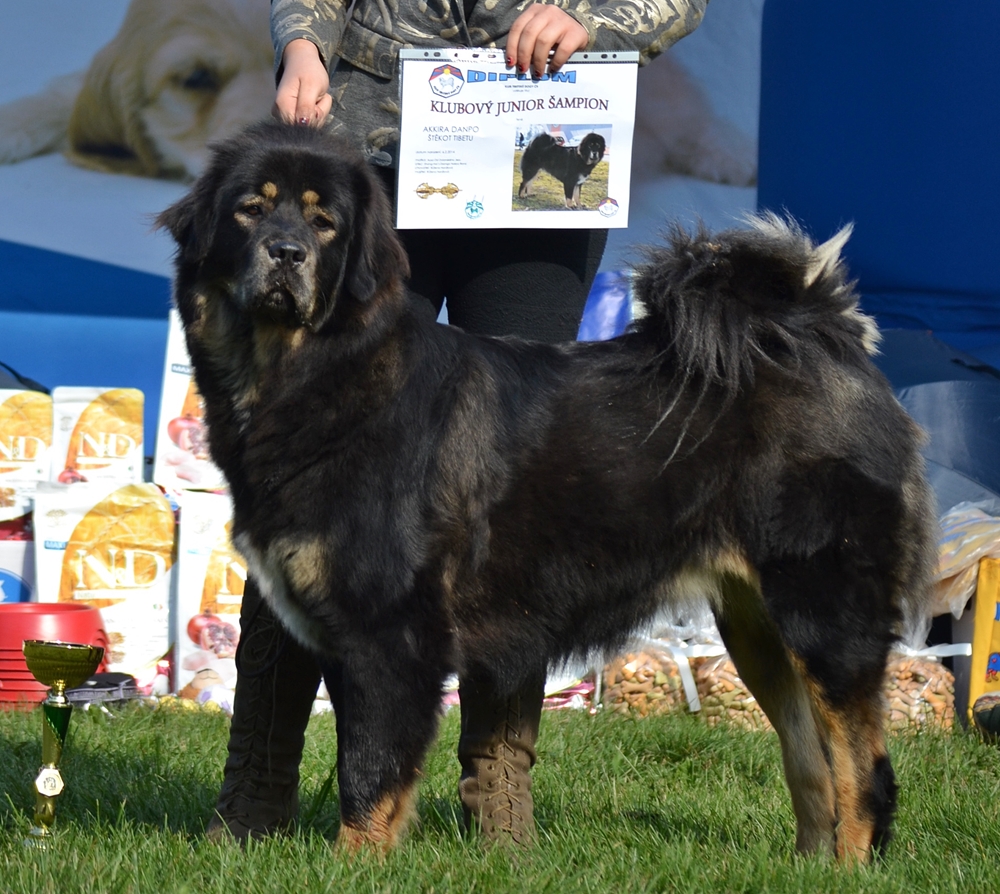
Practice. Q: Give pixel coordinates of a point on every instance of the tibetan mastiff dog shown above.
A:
(570, 165)
(415, 501)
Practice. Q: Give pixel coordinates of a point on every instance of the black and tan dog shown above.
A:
(570, 165)
(415, 501)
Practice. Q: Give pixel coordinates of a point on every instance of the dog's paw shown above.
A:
(36, 125)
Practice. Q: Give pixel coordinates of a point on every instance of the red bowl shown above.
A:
(53, 621)
(56, 622)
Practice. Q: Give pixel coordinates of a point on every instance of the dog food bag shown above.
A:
(25, 435)
(17, 570)
(725, 699)
(643, 682)
(968, 534)
(111, 547)
(920, 692)
(182, 460)
(17, 548)
(211, 577)
(985, 669)
(97, 435)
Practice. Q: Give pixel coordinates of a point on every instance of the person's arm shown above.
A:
(303, 94)
(306, 34)
(648, 26)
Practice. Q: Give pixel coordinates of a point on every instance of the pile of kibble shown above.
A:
(920, 692)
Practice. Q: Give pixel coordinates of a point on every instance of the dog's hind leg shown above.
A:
(827, 628)
(769, 670)
(390, 701)
(527, 179)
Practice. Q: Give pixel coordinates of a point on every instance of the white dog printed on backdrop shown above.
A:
(678, 132)
(697, 104)
(178, 75)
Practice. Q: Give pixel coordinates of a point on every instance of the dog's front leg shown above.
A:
(569, 192)
(387, 714)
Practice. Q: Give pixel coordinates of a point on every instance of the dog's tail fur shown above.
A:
(536, 148)
(720, 306)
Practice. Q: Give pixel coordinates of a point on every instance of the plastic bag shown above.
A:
(968, 534)
(644, 682)
(608, 310)
(920, 692)
(725, 698)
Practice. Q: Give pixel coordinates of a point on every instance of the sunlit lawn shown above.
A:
(661, 804)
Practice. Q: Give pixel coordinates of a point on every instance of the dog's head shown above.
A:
(592, 149)
(177, 76)
(290, 227)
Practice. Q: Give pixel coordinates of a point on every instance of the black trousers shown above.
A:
(530, 283)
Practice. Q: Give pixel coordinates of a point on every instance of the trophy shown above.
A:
(60, 666)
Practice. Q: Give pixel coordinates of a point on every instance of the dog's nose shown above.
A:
(286, 252)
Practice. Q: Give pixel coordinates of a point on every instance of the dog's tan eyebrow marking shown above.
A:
(310, 197)
(269, 190)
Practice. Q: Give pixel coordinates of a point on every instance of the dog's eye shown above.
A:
(202, 78)
(252, 210)
(322, 223)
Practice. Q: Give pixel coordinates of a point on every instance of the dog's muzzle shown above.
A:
(280, 288)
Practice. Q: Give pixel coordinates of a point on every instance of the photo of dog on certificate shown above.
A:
(414, 501)
(561, 167)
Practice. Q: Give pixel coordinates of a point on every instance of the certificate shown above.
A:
(482, 145)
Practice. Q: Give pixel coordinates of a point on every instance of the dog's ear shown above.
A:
(105, 130)
(376, 258)
(190, 221)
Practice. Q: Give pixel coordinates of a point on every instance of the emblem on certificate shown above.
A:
(449, 190)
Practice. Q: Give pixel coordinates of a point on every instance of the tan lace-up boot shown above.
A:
(275, 690)
(497, 751)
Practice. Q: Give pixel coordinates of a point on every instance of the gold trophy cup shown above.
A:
(60, 666)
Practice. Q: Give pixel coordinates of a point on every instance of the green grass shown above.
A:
(662, 804)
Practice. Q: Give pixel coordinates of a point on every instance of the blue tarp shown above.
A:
(886, 115)
(955, 397)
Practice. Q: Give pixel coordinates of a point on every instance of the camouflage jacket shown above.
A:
(364, 42)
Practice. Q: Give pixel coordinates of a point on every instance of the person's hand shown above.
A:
(302, 96)
(540, 29)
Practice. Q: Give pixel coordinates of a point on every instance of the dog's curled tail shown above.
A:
(718, 306)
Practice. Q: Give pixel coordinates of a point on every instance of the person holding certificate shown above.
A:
(337, 66)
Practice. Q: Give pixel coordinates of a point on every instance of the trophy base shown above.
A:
(38, 838)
